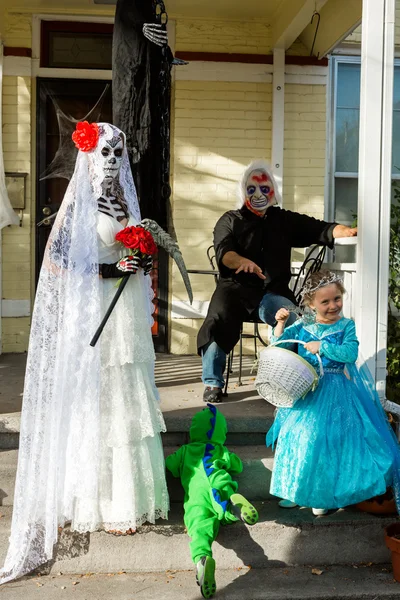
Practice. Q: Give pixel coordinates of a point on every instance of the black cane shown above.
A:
(110, 309)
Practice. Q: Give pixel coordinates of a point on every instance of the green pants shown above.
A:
(203, 516)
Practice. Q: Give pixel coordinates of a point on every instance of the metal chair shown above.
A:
(254, 336)
(313, 262)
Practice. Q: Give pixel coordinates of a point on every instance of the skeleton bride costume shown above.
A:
(90, 445)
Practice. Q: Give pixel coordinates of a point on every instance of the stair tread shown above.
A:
(281, 537)
(270, 515)
(292, 583)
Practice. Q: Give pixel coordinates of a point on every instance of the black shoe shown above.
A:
(212, 394)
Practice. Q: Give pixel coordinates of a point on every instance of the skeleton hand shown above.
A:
(155, 33)
(126, 266)
(147, 264)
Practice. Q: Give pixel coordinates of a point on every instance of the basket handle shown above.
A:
(321, 368)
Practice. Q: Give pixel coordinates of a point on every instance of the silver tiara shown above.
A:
(308, 288)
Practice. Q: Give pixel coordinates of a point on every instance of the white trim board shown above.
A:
(16, 308)
(183, 310)
(249, 72)
(17, 66)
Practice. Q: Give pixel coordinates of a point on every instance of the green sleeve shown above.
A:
(235, 464)
(174, 462)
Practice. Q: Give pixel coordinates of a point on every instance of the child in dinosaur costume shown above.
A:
(205, 467)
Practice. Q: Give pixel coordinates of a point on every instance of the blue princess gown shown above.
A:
(334, 447)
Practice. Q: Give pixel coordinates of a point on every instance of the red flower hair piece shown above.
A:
(86, 136)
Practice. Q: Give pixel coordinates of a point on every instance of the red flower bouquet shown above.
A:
(141, 243)
(86, 136)
(137, 239)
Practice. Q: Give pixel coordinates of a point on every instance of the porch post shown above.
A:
(374, 184)
(278, 115)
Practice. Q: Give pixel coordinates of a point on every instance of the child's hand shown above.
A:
(313, 347)
(282, 315)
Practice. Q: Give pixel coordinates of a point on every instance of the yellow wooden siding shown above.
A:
(219, 127)
(16, 241)
(304, 149)
(16, 29)
(205, 35)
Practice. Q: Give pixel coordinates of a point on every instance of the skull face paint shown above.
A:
(259, 190)
(112, 156)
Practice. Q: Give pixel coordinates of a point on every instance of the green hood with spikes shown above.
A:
(208, 426)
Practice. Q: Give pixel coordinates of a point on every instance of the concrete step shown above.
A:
(246, 426)
(281, 538)
(253, 482)
(296, 583)
(178, 380)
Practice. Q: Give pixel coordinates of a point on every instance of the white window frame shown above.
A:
(331, 173)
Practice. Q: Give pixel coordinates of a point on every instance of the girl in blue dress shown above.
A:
(334, 447)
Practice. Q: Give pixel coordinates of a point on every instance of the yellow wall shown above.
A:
(304, 150)
(221, 36)
(16, 241)
(205, 35)
(219, 127)
(15, 29)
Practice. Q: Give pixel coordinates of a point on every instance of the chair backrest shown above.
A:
(313, 262)
(213, 262)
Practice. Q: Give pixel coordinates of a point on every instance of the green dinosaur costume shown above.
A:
(205, 466)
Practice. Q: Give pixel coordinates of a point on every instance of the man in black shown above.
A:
(253, 250)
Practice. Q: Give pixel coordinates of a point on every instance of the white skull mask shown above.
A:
(112, 156)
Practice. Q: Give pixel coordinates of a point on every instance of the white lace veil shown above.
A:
(60, 416)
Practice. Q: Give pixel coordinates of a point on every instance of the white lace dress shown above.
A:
(132, 486)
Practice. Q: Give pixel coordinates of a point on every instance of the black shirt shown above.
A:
(268, 242)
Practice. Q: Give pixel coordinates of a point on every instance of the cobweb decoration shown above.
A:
(63, 163)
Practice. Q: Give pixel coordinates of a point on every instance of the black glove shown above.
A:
(147, 264)
(126, 266)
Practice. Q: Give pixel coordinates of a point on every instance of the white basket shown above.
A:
(283, 376)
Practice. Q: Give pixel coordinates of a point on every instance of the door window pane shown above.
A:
(76, 45)
(80, 50)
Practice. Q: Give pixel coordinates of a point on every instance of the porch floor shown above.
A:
(179, 382)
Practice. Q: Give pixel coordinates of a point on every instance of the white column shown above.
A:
(374, 188)
(278, 115)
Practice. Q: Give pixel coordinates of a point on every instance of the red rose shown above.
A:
(86, 136)
(137, 238)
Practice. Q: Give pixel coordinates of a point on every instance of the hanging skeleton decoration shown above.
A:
(141, 88)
